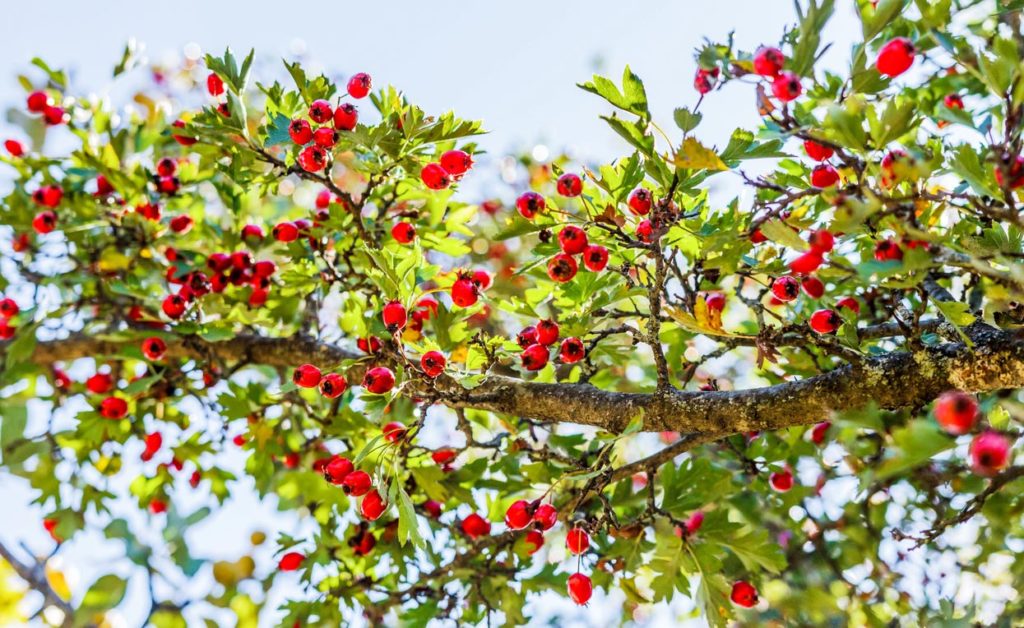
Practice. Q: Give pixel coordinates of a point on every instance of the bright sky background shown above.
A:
(512, 64)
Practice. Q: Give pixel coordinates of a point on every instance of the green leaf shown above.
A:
(632, 98)
(778, 231)
(913, 444)
(808, 37)
(13, 419)
(875, 19)
(686, 120)
(408, 525)
(104, 594)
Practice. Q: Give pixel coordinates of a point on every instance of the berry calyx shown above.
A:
(153, 348)
(595, 257)
(572, 240)
(580, 588)
(300, 132)
(307, 376)
(825, 321)
(527, 337)
(562, 268)
(174, 306)
(785, 288)
(572, 350)
(379, 380)
(956, 412)
(433, 363)
(44, 222)
(320, 111)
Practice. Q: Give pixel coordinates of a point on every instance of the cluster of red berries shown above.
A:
(468, 286)
(451, 167)
(8, 310)
(543, 517)
(768, 62)
(317, 141)
(339, 471)
(40, 102)
(957, 413)
(535, 340)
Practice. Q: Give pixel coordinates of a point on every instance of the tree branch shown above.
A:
(35, 576)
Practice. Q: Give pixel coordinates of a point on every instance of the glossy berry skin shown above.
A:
(518, 515)
(535, 357)
(577, 540)
(300, 132)
(444, 456)
(313, 158)
(768, 61)
(157, 506)
(849, 303)
(529, 204)
(806, 263)
(9, 308)
(307, 376)
(812, 287)
(475, 526)
(956, 412)
(174, 306)
(325, 137)
(547, 332)
(595, 258)
(781, 481)
(895, 57)
(819, 431)
(291, 561)
(14, 147)
(580, 588)
(816, 151)
(154, 348)
(562, 268)
(359, 85)
(433, 363)
(346, 117)
(572, 350)
(572, 240)
(37, 102)
(464, 292)
(569, 185)
(824, 176)
(54, 115)
(481, 279)
(253, 235)
(372, 506)
(989, 453)
(285, 232)
(785, 288)
(44, 222)
(214, 85)
(545, 516)
(403, 232)
(379, 380)
(825, 321)
(456, 162)
(320, 111)
(357, 483)
(527, 337)
(393, 432)
(786, 86)
(640, 201)
(48, 196)
(435, 177)
(99, 384)
(433, 508)
(534, 540)
(743, 594)
(821, 240)
(394, 316)
(218, 262)
(337, 469)
(113, 408)
(332, 385)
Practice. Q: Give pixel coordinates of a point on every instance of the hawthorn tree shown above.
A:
(285, 273)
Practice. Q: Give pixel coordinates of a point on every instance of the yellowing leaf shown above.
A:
(57, 581)
(707, 318)
(690, 322)
(695, 156)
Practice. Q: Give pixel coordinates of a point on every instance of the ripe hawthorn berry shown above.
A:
(433, 508)
(534, 540)
(285, 232)
(956, 412)
(313, 158)
(781, 481)
(527, 336)
(346, 117)
(214, 84)
(547, 332)
(337, 469)
(715, 301)
(291, 561)
(580, 588)
(645, 230)
(529, 204)
(821, 240)
(768, 61)
(433, 363)
(379, 380)
(372, 506)
(464, 291)
(357, 483)
(403, 232)
(320, 111)
(393, 432)
(545, 516)
(595, 257)
(824, 176)
(113, 408)
(37, 102)
(888, 250)
(333, 385)
(694, 522)
(300, 132)
(990, 453)
(157, 506)
(786, 86)
(325, 137)
(562, 268)
(785, 288)
(569, 185)
(481, 279)
(572, 240)
(640, 201)
(825, 321)
(519, 515)
(307, 376)
(456, 162)
(174, 306)
(154, 348)
(100, 383)
(394, 316)
(895, 57)
(704, 80)
(1014, 170)
(263, 269)
(9, 308)
(819, 431)
(183, 140)
(743, 594)
(54, 115)
(816, 151)
(369, 345)
(572, 350)
(474, 526)
(577, 540)
(813, 287)
(535, 357)
(435, 177)
(444, 456)
(806, 263)
(14, 147)
(359, 85)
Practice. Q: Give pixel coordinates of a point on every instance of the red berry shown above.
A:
(535, 357)
(241, 260)
(475, 526)
(291, 561)
(394, 316)
(313, 158)
(157, 506)
(527, 337)
(518, 515)
(570, 185)
(307, 376)
(816, 151)
(781, 481)
(580, 588)
(218, 262)
(6, 330)
(715, 301)
(154, 348)
(888, 250)
(819, 431)
(464, 292)
(300, 132)
(545, 516)
(534, 540)
(547, 332)
(253, 234)
(953, 101)
(1014, 170)
(694, 522)
(743, 594)
(704, 80)
(432, 508)
(825, 321)
(562, 268)
(174, 306)
(481, 279)
(323, 199)
(529, 204)
(113, 408)
(14, 147)
(433, 363)
(48, 196)
(572, 350)
(183, 140)
(824, 175)
(346, 117)
(456, 162)
(403, 232)
(990, 453)
(37, 102)
(435, 177)
(9, 308)
(577, 540)
(373, 506)
(645, 230)
(264, 269)
(595, 257)
(285, 232)
(640, 201)
(768, 61)
(99, 383)
(325, 137)
(813, 287)
(895, 57)
(849, 303)
(359, 85)
(956, 412)
(785, 289)
(333, 385)
(369, 345)
(572, 240)
(214, 84)
(393, 432)
(357, 483)
(337, 469)
(821, 240)
(786, 86)
(444, 456)
(54, 115)
(379, 380)
(806, 263)
(320, 111)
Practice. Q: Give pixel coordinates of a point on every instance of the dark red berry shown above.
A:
(570, 185)
(529, 204)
